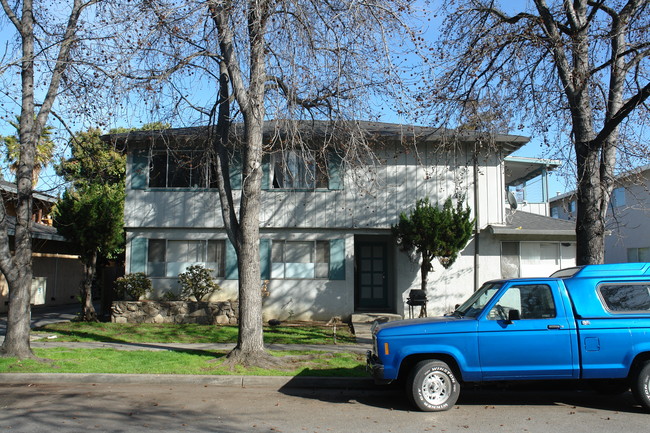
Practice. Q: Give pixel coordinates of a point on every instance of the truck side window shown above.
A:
(532, 301)
(626, 298)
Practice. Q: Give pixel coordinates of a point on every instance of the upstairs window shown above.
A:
(178, 169)
(291, 170)
(192, 169)
(572, 206)
(618, 197)
(638, 255)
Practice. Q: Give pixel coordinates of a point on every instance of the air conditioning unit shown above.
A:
(39, 285)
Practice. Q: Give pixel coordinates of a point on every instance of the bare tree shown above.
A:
(46, 35)
(581, 63)
(284, 60)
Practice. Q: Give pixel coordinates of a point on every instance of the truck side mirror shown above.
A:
(513, 314)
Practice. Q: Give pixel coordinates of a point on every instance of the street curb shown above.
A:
(177, 379)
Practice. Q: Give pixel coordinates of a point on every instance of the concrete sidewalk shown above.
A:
(275, 382)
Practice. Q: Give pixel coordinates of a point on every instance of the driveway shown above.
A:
(45, 315)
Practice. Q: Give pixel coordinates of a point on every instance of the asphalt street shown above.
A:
(143, 403)
(32, 408)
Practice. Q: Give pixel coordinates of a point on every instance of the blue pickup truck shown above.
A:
(584, 323)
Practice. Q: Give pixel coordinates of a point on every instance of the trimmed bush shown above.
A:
(197, 282)
(133, 286)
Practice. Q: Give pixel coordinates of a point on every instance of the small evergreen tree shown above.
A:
(92, 219)
(90, 213)
(434, 233)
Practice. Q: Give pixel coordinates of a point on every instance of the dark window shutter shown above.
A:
(232, 270)
(138, 255)
(335, 172)
(337, 259)
(266, 172)
(139, 169)
(235, 170)
(265, 259)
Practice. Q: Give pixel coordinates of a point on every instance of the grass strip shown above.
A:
(187, 333)
(66, 360)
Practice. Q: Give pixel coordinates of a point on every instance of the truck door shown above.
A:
(540, 344)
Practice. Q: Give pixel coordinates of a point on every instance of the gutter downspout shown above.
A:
(477, 230)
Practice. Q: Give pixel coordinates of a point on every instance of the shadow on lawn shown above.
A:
(190, 333)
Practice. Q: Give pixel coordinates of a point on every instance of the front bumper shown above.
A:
(376, 368)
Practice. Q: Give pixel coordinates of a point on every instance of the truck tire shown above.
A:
(641, 386)
(432, 386)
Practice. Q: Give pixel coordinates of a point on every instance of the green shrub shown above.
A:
(133, 286)
(196, 281)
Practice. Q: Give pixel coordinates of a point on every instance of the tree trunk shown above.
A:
(425, 268)
(88, 313)
(250, 342)
(590, 224)
(16, 343)
(20, 283)
(424, 273)
(590, 221)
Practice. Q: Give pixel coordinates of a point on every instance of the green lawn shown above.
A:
(188, 333)
(65, 360)
(68, 360)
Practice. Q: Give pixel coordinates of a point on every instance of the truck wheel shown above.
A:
(641, 386)
(432, 386)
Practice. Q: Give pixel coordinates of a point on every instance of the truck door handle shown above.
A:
(554, 326)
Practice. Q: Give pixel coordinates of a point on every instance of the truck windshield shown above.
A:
(475, 304)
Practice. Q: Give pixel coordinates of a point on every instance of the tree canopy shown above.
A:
(91, 217)
(44, 148)
(573, 71)
(92, 161)
(91, 212)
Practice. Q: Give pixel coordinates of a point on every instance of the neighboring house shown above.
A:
(326, 246)
(56, 268)
(628, 219)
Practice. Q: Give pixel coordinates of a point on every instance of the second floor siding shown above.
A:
(367, 197)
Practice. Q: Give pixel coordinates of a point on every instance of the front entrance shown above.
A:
(373, 282)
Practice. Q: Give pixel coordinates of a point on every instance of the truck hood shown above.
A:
(429, 325)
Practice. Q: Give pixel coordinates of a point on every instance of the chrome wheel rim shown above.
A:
(436, 388)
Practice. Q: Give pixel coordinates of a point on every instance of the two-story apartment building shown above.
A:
(628, 220)
(326, 246)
